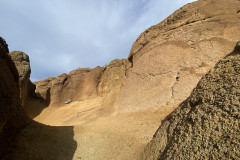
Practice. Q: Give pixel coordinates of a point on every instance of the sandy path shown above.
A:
(104, 137)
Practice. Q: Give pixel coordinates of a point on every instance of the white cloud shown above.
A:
(60, 35)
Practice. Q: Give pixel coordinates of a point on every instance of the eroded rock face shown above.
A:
(168, 59)
(79, 84)
(22, 63)
(206, 125)
(84, 84)
(43, 89)
(111, 82)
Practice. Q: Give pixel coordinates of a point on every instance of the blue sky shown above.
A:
(62, 35)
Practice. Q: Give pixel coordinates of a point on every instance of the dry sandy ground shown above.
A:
(102, 136)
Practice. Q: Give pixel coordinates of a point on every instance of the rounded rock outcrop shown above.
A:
(22, 64)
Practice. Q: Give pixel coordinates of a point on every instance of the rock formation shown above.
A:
(22, 63)
(111, 82)
(84, 84)
(165, 63)
(206, 125)
(20, 137)
(168, 59)
(43, 89)
(12, 115)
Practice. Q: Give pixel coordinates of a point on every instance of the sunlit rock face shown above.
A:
(206, 125)
(165, 62)
(83, 84)
(168, 59)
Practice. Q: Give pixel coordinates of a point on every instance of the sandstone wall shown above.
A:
(84, 84)
(168, 59)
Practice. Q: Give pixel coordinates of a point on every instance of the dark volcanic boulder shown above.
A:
(206, 125)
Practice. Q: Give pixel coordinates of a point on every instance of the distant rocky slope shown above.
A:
(20, 137)
(206, 125)
(168, 59)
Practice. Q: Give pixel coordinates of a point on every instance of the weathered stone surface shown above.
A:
(84, 84)
(43, 89)
(81, 84)
(206, 125)
(168, 59)
(111, 82)
(22, 63)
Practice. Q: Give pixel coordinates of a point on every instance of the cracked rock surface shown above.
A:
(168, 59)
(206, 125)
